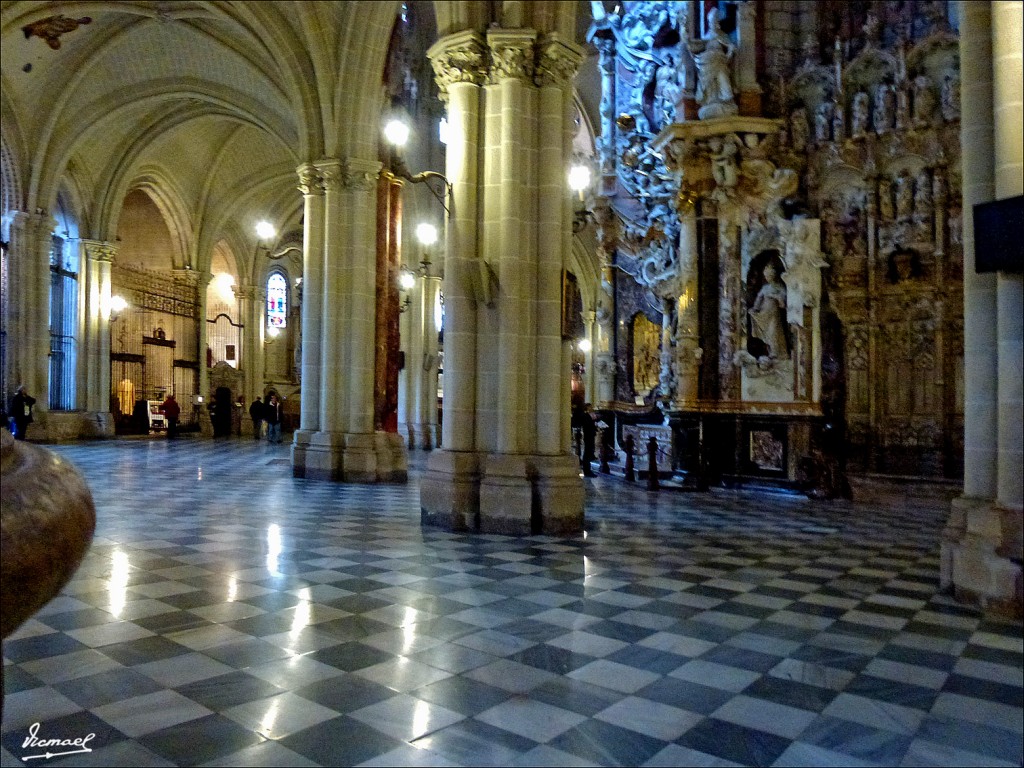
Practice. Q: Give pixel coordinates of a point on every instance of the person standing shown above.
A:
(272, 415)
(256, 414)
(21, 410)
(172, 411)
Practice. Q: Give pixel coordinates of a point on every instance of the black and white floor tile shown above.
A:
(229, 614)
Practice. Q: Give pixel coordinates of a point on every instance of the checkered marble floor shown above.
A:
(229, 614)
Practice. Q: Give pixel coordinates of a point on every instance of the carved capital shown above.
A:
(310, 180)
(557, 62)
(361, 175)
(244, 291)
(331, 175)
(459, 58)
(511, 54)
(99, 250)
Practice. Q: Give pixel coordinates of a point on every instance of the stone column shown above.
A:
(94, 358)
(28, 319)
(249, 311)
(426, 373)
(202, 282)
(1008, 113)
(687, 318)
(334, 309)
(749, 91)
(604, 352)
(984, 533)
(311, 185)
(389, 263)
(590, 333)
(976, 137)
(450, 488)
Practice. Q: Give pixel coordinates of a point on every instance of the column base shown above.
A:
(450, 491)
(981, 556)
(519, 495)
(350, 458)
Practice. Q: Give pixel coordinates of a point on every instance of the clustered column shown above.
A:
(985, 531)
(97, 256)
(337, 439)
(27, 320)
(505, 464)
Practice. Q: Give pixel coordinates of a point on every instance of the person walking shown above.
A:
(21, 410)
(172, 411)
(256, 414)
(272, 415)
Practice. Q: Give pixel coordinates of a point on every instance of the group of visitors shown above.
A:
(269, 413)
(20, 414)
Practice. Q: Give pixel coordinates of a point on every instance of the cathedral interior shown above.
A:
(650, 376)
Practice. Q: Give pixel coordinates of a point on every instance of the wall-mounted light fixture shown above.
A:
(579, 178)
(396, 132)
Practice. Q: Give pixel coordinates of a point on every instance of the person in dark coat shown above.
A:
(256, 414)
(172, 411)
(272, 415)
(21, 410)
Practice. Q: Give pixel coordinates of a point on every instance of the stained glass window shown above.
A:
(277, 301)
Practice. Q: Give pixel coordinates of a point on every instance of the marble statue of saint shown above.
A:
(860, 114)
(924, 100)
(768, 312)
(713, 55)
(904, 195)
(823, 122)
(799, 130)
(885, 207)
(885, 106)
(950, 97)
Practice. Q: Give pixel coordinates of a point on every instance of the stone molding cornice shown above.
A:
(557, 62)
(458, 58)
(512, 54)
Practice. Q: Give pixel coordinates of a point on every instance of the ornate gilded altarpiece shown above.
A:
(787, 211)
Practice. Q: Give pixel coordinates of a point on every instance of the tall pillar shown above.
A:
(528, 481)
(250, 363)
(590, 334)
(984, 534)
(426, 371)
(311, 185)
(1008, 111)
(450, 489)
(94, 356)
(202, 282)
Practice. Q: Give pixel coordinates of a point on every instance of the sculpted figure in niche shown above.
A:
(799, 129)
(838, 121)
(723, 162)
(924, 101)
(823, 122)
(902, 108)
(667, 91)
(950, 97)
(885, 207)
(768, 314)
(904, 195)
(885, 105)
(860, 115)
(923, 194)
(713, 55)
